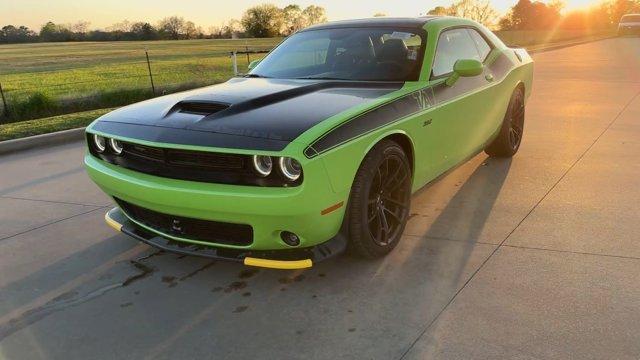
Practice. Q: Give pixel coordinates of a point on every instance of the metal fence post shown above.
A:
(153, 87)
(4, 102)
(235, 63)
(246, 48)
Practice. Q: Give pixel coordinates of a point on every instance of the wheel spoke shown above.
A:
(391, 178)
(396, 216)
(512, 137)
(385, 222)
(386, 167)
(379, 179)
(380, 233)
(373, 216)
(399, 183)
(394, 201)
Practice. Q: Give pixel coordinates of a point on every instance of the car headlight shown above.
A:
(262, 164)
(290, 168)
(100, 142)
(116, 146)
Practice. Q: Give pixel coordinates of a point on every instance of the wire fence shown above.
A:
(103, 82)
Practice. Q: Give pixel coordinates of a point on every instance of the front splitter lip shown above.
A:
(274, 259)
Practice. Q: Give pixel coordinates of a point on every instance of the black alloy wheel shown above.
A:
(380, 200)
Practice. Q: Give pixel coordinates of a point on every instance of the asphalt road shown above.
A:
(537, 257)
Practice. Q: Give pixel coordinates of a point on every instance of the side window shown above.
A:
(453, 45)
(481, 44)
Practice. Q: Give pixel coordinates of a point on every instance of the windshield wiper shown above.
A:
(318, 78)
(255, 76)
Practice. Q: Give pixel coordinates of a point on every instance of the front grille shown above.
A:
(202, 166)
(192, 159)
(189, 228)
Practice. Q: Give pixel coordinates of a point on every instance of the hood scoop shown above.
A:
(204, 108)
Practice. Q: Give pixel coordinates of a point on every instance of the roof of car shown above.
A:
(377, 21)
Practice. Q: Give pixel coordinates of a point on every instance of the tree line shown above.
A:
(268, 20)
(259, 21)
(542, 15)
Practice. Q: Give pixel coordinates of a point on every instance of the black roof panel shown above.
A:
(375, 22)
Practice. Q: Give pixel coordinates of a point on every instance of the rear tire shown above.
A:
(507, 143)
(380, 200)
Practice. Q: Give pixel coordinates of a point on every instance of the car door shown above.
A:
(461, 111)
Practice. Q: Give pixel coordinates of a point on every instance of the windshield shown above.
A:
(367, 54)
(630, 18)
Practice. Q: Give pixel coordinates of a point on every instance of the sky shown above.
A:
(205, 13)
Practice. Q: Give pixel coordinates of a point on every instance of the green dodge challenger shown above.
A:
(316, 149)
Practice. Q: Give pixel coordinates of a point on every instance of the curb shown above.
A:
(30, 142)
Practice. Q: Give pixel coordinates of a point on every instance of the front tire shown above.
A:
(507, 143)
(380, 200)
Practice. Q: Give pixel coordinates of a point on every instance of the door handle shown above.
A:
(489, 77)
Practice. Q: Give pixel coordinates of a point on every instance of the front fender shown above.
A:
(342, 163)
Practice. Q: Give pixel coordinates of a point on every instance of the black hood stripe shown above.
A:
(270, 113)
(383, 115)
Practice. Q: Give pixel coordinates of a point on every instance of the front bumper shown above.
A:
(269, 211)
(275, 259)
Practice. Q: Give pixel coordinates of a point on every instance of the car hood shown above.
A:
(251, 113)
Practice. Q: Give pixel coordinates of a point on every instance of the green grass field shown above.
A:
(57, 78)
(75, 76)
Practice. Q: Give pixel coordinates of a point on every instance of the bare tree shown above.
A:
(124, 26)
(81, 27)
(190, 30)
(293, 19)
(315, 14)
(477, 10)
(232, 28)
(172, 26)
(438, 10)
(214, 31)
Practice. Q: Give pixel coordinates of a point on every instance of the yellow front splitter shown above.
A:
(116, 219)
(278, 264)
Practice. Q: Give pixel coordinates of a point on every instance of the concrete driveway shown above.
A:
(534, 257)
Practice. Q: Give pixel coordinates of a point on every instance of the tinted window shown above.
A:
(481, 44)
(453, 45)
(346, 54)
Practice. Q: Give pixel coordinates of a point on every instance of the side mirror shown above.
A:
(465, 68)
(253, 64)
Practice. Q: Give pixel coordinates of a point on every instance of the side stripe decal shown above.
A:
(399, 108)
(404, 106)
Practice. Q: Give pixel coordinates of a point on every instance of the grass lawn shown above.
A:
(74, 76)
(65, 69)
(50, 124)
